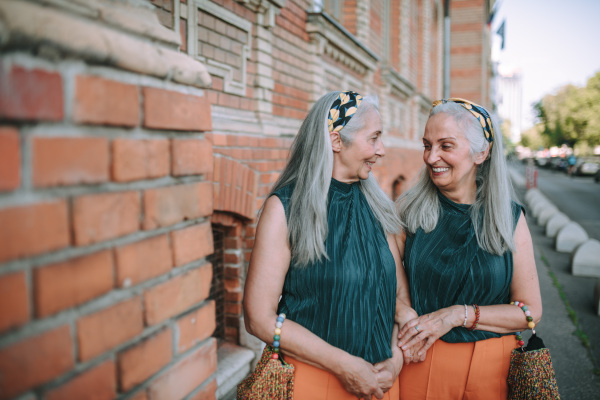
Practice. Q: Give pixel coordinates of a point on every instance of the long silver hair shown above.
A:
(310, 167)
(491, 214)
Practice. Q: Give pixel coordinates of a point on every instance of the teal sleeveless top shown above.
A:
(348, 300)
(446, 267)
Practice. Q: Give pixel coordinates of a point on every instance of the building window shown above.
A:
(331, 7)
(397, 187)
(217, 288)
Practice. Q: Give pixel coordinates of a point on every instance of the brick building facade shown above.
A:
(138, 140)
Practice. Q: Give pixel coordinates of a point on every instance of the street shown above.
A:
(577, 197)
(570, 325)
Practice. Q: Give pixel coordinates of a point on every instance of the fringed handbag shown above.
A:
(272, 379)
(531, 374)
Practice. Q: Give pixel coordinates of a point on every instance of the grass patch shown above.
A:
(583, 338)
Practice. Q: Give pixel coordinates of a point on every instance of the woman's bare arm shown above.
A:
(266, 274)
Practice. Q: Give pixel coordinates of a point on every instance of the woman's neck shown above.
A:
(461, 196)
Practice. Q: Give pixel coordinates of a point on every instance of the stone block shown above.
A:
(569, 237)
(556, 223)
(532, 194)
(545, 214)
(586, 259)
(538, 206)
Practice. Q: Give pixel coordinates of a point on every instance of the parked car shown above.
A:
(558, 163)
(542, 162)
(587, 166)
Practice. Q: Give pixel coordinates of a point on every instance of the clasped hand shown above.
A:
(366, 380)
(419, 334)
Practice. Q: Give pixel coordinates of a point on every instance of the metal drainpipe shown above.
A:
(446, 49)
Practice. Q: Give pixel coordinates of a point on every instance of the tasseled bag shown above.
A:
(531, 373)
(272, 379)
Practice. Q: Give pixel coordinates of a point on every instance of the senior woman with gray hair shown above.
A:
(325, 260)
(468, 253)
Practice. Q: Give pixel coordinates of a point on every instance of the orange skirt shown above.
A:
(465, 371)
(312, 383)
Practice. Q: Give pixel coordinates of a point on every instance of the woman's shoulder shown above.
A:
(517, 209)
(284, 194)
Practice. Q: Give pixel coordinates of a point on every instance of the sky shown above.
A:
(552, 42)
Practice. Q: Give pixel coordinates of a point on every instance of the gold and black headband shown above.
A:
(342, 109)
(478, 112)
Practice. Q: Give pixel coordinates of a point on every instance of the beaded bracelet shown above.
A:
(466, 315)
(474, 326)
(277, 335)
(530, 322)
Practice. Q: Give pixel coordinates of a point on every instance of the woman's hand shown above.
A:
(410, 353)
(359, 377)
(388, 370)
(428, 328)
(413, 354)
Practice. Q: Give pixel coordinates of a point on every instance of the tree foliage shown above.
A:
(571, 115)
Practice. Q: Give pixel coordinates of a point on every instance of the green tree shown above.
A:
(571, 115)
(533, 138)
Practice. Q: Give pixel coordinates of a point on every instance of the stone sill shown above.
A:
(233, 365)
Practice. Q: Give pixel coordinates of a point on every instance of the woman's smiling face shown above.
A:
(447, 155)
(357, 158)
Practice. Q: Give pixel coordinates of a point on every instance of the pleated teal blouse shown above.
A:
(348, 300)
(446, 267)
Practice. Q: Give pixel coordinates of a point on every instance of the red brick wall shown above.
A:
(105, 230)
(468, 59)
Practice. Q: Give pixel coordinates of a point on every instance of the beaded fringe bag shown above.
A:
(531, 373)
(272, 379)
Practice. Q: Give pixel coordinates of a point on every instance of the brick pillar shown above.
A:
(105, 206)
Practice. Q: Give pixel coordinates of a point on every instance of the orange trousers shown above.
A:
(468, 371)
(312, 383)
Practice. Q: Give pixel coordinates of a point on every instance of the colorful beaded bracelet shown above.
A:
(529, 318)
(476, 323)
(277, 335)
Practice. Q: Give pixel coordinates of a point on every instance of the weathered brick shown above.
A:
(35, 360)
(68, 161)
(96, 383)
(14, 300)
(33, 229)
(192, 243)
(177, 295)
(143, 260)
(191, 156)
(30, 94)
(143, 360)
(189, 373)
(73, 282)
(208, 392)
(105, 216)
(169, 205)
(135, 159)
(196, 326)
(10, 159)
(105, 329)
(105, 102)
(164, 109)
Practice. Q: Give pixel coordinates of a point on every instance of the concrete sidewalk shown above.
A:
(568, 315)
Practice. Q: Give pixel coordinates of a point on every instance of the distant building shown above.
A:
(509, 98)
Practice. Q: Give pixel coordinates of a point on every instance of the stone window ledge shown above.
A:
(233, 365)
(126, 35)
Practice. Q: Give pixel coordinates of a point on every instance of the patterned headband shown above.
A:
(479, 112)
(342, 109)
